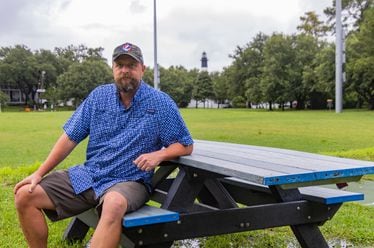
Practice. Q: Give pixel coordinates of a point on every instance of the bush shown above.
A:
(4, 98)
(238, 102)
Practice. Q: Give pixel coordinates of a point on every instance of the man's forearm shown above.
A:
(175, 150)
(149, 161)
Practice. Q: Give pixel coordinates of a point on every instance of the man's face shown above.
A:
(127, 73)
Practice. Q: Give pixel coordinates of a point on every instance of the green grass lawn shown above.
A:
(26, 139)
(313, 131)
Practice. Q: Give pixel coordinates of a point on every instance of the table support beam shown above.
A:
(308, 235)
(215, 194)
(203, 224)
(183, 191)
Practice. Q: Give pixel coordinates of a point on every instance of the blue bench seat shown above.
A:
(329, 196)
(148, 215)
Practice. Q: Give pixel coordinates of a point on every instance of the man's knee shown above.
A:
(114, 206)
(23, 197)
(38, 198)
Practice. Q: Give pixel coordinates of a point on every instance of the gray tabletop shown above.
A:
(274, 166)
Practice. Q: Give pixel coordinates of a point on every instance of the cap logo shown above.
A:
(126, 47)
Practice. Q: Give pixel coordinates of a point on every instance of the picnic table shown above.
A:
(226, 188)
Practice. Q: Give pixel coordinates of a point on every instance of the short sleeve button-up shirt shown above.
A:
(117, 136)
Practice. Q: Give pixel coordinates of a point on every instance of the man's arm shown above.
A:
(59, 152)
(149, 161)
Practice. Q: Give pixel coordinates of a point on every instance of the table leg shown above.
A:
(308, 235)
(183, 191)
(76, 230)
(215, 194)
(162, 173)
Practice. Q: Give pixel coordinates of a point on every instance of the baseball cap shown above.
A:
(128, 49)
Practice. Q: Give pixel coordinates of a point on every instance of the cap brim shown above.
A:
(119, 55)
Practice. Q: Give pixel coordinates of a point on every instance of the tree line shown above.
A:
(281, 68)
(296, 70)
(66, 73)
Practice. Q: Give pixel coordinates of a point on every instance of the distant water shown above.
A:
(365, 187)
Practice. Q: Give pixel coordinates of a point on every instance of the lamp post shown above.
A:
(155, 69)
(41, 89)
(338, 59)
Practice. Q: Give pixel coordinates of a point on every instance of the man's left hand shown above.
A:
(148, 161)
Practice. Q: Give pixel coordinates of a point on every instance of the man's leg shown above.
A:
(29, 208)
(110, 223)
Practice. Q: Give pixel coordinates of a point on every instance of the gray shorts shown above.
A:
(58, 187)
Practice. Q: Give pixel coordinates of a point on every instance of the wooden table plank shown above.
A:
(251, 161)
(289, 166)
(226, 168)
(242, 147)
(274, 166)
(268, 154)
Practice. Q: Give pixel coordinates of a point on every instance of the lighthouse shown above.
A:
(204, 62)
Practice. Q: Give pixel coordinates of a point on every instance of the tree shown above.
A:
(248, 63)
(26, 70)
(4, 99)
(278, 59)
(80, 53)
(301, 81)
(175, 81)
(360, 66)
(81, 79)
(363, 79)
(311, 25)
(49, 62)
(220, 87)
(238, 102)
(324, 71)
(49, 68)
(20, 69)
(203, 88)
(148, 76)
(254, 91)
(352, 13)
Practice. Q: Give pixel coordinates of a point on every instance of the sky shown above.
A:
(185, 29)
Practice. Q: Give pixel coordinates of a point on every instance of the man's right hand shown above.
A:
(33, 180)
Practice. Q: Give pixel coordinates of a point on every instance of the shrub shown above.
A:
(238, 102)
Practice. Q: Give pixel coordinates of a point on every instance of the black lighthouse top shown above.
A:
(204, 61)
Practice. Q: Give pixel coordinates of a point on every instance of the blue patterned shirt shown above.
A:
(117, 136)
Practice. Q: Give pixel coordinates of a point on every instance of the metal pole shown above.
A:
(338, 59)
(155, 69)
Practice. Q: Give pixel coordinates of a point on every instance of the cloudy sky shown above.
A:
(185, 28)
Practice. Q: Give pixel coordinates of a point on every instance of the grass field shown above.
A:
(26, 138)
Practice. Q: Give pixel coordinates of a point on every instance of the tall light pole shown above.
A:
(155, 69)
(338, 59)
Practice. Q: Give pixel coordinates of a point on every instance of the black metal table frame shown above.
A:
(208, 205)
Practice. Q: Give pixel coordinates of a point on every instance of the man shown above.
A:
(132, 128)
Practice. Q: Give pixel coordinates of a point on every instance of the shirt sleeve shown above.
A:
(172, 126)
(77, 127)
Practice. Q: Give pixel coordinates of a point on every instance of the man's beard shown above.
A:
(132, 85)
